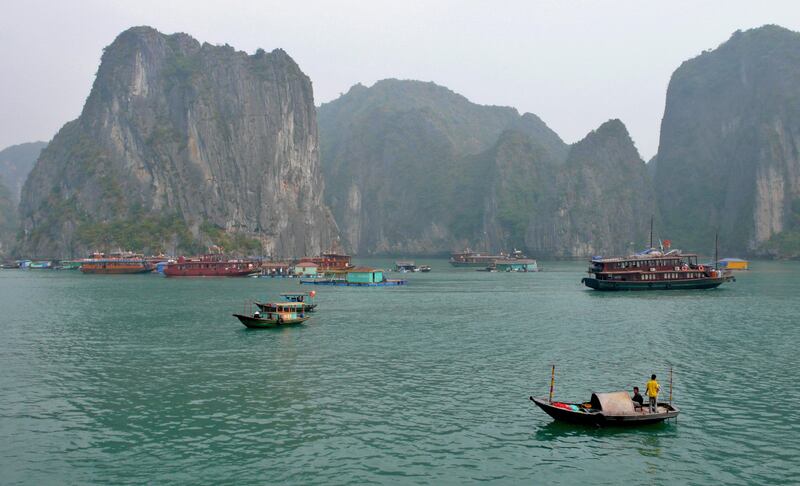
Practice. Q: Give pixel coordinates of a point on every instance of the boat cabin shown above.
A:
(516, 265)
(405, 266)
(364, 275)
(285, 311)
(305, 297)
(306, 268)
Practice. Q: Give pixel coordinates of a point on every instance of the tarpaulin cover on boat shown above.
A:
(613, 403)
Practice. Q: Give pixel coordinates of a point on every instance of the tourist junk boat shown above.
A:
(305, 298)
(330, 262)
(280, 314)
(609, 409)
(655, 269)
(211, 265)
(117, 263)
(469, 258)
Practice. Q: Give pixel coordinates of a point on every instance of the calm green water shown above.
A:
(131, 379)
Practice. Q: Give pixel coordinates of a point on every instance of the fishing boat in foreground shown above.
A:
(280, 314)
(615, 408)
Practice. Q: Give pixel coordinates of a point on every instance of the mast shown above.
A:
(651, 232)
(552, 382)
(716, 250)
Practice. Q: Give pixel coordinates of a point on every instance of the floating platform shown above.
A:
(344, 283)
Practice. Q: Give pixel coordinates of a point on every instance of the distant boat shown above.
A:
(734, 264)
(654, 270)
(211, 265)
(69, 265)
(469, 258)
(331, 261)
(358, 277)
(424, 268)
(280, 314)
(516, 265)
(405, 266)
(41, 265)
(115, 264)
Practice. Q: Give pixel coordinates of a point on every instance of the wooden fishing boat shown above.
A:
(281, 314)
(615, 408)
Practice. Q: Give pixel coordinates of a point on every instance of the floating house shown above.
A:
(516, 265)
(306, 269)
(357, 277)
(734, 264)
(364, 275)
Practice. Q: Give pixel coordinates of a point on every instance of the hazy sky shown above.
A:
(575, 64)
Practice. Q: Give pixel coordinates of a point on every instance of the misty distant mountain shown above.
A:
(8, 219)
(16, 163)
(181, 145)
(413, 167)
(729, 155)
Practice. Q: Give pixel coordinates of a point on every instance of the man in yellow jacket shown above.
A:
(652, 392)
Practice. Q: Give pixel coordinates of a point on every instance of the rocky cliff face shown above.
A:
(189, 143)
(409, 166)
(729, 156)
(415, 168)
(8, 219)
(16, 163)
(605, 199)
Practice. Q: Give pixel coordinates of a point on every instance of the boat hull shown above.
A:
(694, 284)
(601, 419)
(172, 271)
(470, 264)
(342, 283)
(260, 323)
(115, 270)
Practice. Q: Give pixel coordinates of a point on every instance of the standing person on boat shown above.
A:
(652, 392)
(637, 398)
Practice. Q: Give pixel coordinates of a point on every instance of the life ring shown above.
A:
(685, 267)
(701, 268)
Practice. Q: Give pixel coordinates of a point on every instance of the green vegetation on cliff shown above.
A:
(727, 160)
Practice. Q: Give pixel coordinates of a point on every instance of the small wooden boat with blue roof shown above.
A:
(280, 314)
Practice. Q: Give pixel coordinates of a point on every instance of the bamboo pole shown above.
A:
(670, 385)
(552, 382)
